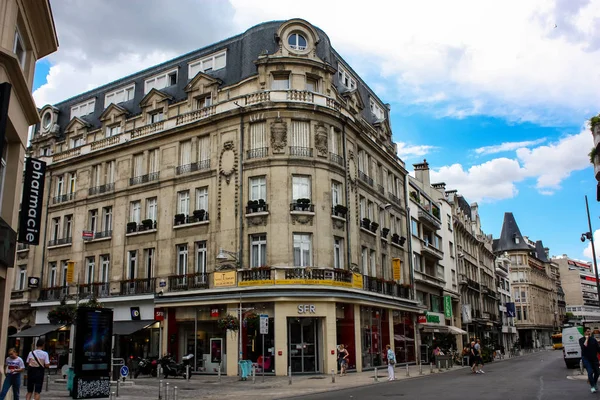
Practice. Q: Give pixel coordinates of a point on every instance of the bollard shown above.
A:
(407, 372)
(439, 366)
(117, 387)
(112, 395)
(447, 365)
(219, 372)
(253, 373)
(167, 391)
(376, 377)
(160, 389)
(431, 370)
(47, 380)
(290, 375)
(332, 376)
(421, 368)
(175, 393)
(187, 367)
(580, 367)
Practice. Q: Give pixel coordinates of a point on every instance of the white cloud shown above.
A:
(507, 146)
(407, 151)
(496, 179)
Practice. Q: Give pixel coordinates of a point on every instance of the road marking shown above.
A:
(541, 390)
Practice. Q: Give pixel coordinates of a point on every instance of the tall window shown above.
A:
(258, 135)
(258, 188)
(96, 175)
(65, 267)
(93, 220)
(300, 134)
(258, 251)
(151, 208)
(153, 161)
(336, 141)
(362, 203)
(302, 249)
(138, 165)
(364, 257)
(149, 263)
(185, 152)
(414, 227)
(417, 261)
(68, 233)
(52, 275)
(201, 257)
(204, 148)
(202, 198)
(336, 193)
(107, 219)
(132, 265)
(21, 277)
(373, 263)
(301, 187)
(338, 252)
(109, 172)
(19, 49)
(90, 264)
(55, 228)
(72, 182)
(312, 84)
(135, 211)
(60, 183)
(182, 259)
(385, 267)
(104, 268)
(183, 202)
(280, 82)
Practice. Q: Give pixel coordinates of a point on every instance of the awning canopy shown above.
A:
(456, 331)
(128, 327)
(402, 338)
(434, 328)
(38, 330)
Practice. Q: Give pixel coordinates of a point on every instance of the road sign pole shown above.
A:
(263, 358)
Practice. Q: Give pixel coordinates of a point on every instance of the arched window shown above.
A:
(297, 41)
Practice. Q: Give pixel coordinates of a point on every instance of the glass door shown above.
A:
(304, 345)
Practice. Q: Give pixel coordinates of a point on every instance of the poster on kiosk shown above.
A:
(92, 353)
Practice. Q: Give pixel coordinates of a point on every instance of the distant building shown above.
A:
(578, 282)
(507, 329)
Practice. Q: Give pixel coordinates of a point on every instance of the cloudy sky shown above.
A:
(495, 95)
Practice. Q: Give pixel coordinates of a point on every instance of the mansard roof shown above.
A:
(510, 237)
(540, 252)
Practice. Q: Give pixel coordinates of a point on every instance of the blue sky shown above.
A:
(497, 106)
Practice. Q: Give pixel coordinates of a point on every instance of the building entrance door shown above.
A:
(304, 345)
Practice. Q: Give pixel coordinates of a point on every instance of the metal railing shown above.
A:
(308, 207)
(394, 198)
(58, 242)
(256, 274)
(109, 187)
(188, 282)
(300, 151)
(181, 219)
(54, 293)
(381, 189)
(61, 198)
(97, 289)
(138, 286)
(22, 246)
(336, 158)
(257, 208)
(365, 178)
(134, 227)
(153, 176)
(193, 167)
(103, 234)
(260, 152)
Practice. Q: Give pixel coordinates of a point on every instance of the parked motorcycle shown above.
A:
(171, 368)
(145, 367)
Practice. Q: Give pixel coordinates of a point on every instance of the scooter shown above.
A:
(171, 368)
(145, 367)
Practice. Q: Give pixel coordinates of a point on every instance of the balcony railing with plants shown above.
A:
(61, 198)
(300, 151)
(388, 287)
(397, 239)
(365, 178)
(339, 210)
(197, 216)
(261, 152)
(144, 178)
(146, 225)
(54, 293)
(188, 282)
(372, 226)
(302, 205)
(103, 234)
(97, 289)
(138, 286)
(60, 242)
(336, 158)
(193, 167)
(109, 187)
(256, 206)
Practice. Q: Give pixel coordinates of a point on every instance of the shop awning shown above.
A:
(403, 338)
(434, 328)
(128, 327)
(38, 330)
(455, 330)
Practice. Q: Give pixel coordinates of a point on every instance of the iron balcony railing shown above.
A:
(394, 199)
(260, 207)
(144, 178)
(109, 187)
(133, 227)
(22, 246)
(336, 158)
(365, 178)
(260, 152)
(256, 274)
(97, 289)
(58, 242)
(297, 206)
(197, 216)
(381, 189)
(300, 151)
(54, 293)
(103, 234)
(185, 282)
(138, 286)
(63, 197)
(193, 167)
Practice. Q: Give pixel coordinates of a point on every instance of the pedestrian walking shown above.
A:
(479, 357)
(37, 362)
(13, 367)
(343, 356)
(589, 357)
(391, 360)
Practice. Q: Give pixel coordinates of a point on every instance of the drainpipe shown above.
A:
(45, 236)
(346, 189)
(241, 185)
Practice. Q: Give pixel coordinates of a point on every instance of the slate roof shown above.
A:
(464, 205)
(510, 231)
(242, 51)
(540, 252)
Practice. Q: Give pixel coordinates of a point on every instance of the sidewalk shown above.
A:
(273, 387)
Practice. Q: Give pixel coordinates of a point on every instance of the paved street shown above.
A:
(540, 376)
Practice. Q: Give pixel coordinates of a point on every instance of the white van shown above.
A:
(571, 348)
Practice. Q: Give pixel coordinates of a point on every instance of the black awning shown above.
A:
(38, 330)
(128, 327)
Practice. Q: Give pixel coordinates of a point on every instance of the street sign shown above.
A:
(162, 283)
(124, 371)
(264, 324)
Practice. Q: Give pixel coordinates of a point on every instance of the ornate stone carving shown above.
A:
(278, 135)
(321, 140)
(228, 165)
(338, 223)
(257, 220)
(302, 219)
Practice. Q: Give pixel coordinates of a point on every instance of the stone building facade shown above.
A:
(255, 176)
(578, 283)
(26, 34)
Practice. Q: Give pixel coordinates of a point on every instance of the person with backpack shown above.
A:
(14, 366)
(391, 361)
(37, 362)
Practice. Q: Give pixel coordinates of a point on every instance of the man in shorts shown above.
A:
(478, 359)
(37, 362)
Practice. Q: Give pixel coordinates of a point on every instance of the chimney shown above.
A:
(474, 211)
(422, 173)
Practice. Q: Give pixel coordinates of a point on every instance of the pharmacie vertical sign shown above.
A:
(31, 203)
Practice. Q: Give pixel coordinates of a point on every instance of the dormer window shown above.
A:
(516, 238)
(113, 130)
(212, 62)
(297, 42)
(81, 109)
(119, 95)
(376, 110)
(280, 82)
(168, 78)
(345, 78)
(47, 121)
(203, 102)
(156, 117)
(76, 142)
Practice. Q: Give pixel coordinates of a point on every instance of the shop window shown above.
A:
(344, 313)
(371, 336)
(404, 337)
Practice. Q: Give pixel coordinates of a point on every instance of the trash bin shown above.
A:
(245, 366)
(70, 378)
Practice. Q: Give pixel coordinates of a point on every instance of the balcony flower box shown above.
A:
(340, 210)
(148, 224)
(366, 223)
(385, 232)
(374, 226)
(179, 219)
(131, 227)
(199, 215)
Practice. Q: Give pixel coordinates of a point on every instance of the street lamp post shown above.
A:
(590, 236)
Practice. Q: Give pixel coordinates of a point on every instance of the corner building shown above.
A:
(233, 181)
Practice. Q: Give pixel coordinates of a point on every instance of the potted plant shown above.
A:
(131, 227)
(384, 232)
(199, 214)
(366, 223)
(415, 196)
(252, 322)
(436, 213)
(228, 323)
(340, 210)
(252, 205)
(147, 223)
(374, 227)
(62, 314)
(179, 219)
(262, 204)
(402, 240)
